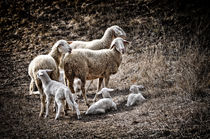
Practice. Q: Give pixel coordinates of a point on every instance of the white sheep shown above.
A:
(58, 90)
(103, 104)
(105, 92)
(135, 96)
(87, 64)
(50, 61)
(102, 43)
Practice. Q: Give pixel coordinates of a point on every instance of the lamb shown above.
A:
(135, 96)
(58, 90)
(50, 61)
(87, 64)
(103, 104)
(105, 92)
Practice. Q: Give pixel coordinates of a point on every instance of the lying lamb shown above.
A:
(58, 90)
(135, 96)
(103, 104)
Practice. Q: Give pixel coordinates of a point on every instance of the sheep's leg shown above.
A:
(59, 103)
(47, 106)
(72, 103)
(65, 107)
(42, 96)
(65, 80)
(98, 89)
(77, 110)
(83, 91)
(89, 85)
(31, 87)
(106, 81)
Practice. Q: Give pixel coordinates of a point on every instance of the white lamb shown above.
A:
(58, 90)
(135, 96)
(103, 104)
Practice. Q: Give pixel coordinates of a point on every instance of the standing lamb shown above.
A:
(58, 90)
(50, 61)
(135, 96)
(103, 104)
(88, 64)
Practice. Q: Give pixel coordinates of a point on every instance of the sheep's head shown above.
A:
(136, 88)
(63, 46)
(105, 92)
(42, 73)
(119, 44)
(118, 32)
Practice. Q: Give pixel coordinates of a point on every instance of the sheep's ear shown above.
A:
(112, 45)
(41, 73)
(100, 92)
(69, 42)
(110, 89)
(116, 31)
(48, 70)
(126, 42)
(140, 86)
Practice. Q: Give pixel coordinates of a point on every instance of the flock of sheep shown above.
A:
(69, 64)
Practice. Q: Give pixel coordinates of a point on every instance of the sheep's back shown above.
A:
(94, 63)
(42, 62)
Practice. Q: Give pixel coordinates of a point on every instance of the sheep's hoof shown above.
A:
(94, 100)
(88, 105)
(45, 116)
(78, 117)
(65, 113)
(40, 115)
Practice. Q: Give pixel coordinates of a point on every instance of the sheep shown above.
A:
(105, 92)
(103, 43)
(87, 64)
(135, 96)
(58, 90)
(103, 104)
(50, 61)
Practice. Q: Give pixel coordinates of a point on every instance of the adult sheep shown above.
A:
(102, 43)
(50, 61)
(88, 64)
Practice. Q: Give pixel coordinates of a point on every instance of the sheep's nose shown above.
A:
(123, 51)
